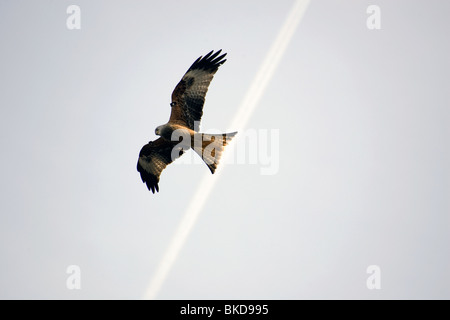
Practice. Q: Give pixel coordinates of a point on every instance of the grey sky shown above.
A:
(364, 151)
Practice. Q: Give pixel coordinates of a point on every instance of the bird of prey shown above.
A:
(182, 130)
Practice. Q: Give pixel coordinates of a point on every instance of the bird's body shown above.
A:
(182, 130)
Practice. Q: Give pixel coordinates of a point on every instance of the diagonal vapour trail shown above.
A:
(239, 122)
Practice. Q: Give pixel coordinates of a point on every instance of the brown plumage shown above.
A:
(181, 132)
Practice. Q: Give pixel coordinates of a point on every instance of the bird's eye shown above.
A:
(172, 104)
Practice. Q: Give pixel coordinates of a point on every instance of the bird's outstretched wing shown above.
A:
(189, 94)
(154, 157)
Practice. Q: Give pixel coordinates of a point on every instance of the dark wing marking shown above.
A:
(188, 97)
(154, 157)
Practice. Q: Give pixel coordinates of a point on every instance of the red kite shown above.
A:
(181, 132)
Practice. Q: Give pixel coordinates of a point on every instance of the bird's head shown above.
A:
(158, 130)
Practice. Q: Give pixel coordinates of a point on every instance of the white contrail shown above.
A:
(239, 122)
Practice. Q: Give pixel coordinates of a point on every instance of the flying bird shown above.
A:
(182, 131)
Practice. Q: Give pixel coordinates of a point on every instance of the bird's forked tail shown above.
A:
(210, 147)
